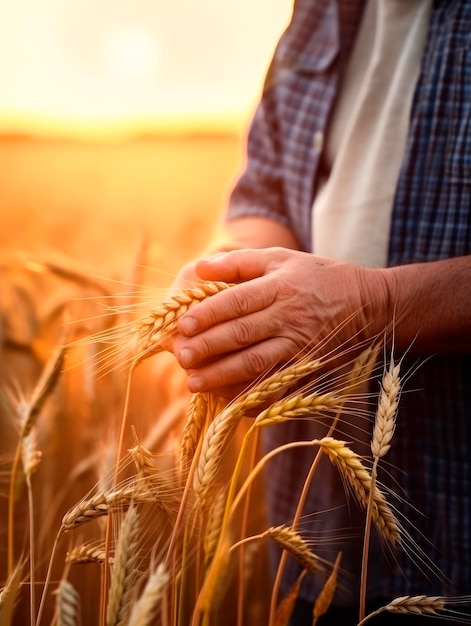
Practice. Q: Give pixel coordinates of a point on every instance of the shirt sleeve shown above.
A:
(259, 189)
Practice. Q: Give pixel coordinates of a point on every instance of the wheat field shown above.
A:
(124, 499)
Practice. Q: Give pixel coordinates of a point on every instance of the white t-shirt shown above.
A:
(366, 140)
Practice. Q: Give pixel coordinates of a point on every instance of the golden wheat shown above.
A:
(159, 323)
(223, 426)
(87, 553)
(30, 455)
(102, 503)
(123, 571)
(325, 597)
(359, 479)
(43, 388)
(67, 604)
(216, 577)
(298, 405)
(193, 427)
(386, 413)
(143, 459)
(286, 606)
(144, 609)
(214, 525)
(291, 541)
(9, 594)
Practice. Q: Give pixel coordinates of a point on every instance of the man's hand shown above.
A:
(284, 301)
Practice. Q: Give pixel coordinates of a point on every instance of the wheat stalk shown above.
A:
(214, 525)
(222, 428)
(67, 604)
(358, 477)
(123, 572)
(193, 427)
(324, 599)
(143, 610)
(385, 422)
(43, 388)
(9, 594)
(286, 606)
(28, 416)
(216, 577)
(143, 459)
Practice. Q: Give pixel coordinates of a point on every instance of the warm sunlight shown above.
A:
(77, 65)
(159, 93)
(131, 54)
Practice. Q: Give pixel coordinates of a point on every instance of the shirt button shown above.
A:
(318, 141)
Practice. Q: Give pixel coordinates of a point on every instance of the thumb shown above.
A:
(233, 267)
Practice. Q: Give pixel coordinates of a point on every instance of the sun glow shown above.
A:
(145, 63)
(131, 53)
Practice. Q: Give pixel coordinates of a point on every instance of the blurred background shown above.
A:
(124, 119)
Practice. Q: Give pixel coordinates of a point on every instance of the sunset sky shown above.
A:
(94, 65)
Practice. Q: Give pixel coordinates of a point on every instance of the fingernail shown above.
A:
(195, 383)
(187, 357)
(188, 325)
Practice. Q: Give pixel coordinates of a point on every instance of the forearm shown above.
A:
(430, 304)
(253, 232)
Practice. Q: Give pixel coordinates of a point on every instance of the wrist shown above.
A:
(379, 297)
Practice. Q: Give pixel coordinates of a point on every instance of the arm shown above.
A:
(433, 302)
(237, 234)
(286, 299)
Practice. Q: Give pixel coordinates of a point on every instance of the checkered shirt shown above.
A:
(429, 464)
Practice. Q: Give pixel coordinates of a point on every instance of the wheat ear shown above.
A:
(359, 479)
(143, 610)
(87, 553)
(222, 428)
(102, 503)
(29, 414)
(290, 540)
(411, 605)
(193, 427)
(385, 420)
(214, 525)
(161, 321)
(9, 594)
(123, 572)
(297, 405)
(43, 388)
(67, 604)
(324, 599)
(359, 373)
(286, 606)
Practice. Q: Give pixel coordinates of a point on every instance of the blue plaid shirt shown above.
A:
(429, 462)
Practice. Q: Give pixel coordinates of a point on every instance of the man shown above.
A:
(355, 204)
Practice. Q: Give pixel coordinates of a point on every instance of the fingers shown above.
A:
(239, 265)
(223, 338)
(237, 368)
(230, 304)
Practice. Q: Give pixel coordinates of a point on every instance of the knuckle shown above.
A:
(240, 303)
(203, 348)
(285, 287)
(241, 333)
(295, 318)
(255, 363)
